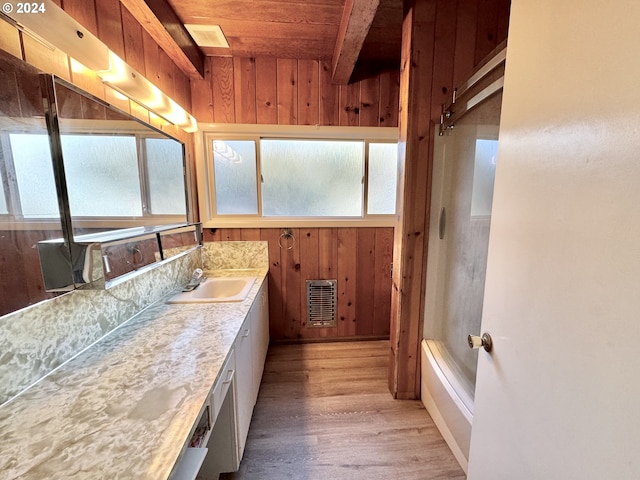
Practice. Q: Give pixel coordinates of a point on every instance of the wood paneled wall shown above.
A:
(286, 91)
(358, 258)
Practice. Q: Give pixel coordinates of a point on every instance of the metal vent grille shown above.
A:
(321, 303)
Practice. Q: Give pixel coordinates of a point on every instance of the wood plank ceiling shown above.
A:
(360, 37)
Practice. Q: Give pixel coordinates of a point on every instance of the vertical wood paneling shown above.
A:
(167, 69)
(287, 91)
(465, 50)
(350, 105)
(365, 271)
(329, 97)
(291, 279)
(84, 11)
(10, 39)
(276, 303)
(382, 281)
(41, 57)
(244, 89)
(358, 258)
(487, 32)
(223, 100)
(328, 253)
(110, 25)
(370, 102)
(152, 63)
(202, 94)
(308, 92)
(347, 279)
(133, 42)
(182, 88)
(266, 90)
(309, 270)
(389, 98)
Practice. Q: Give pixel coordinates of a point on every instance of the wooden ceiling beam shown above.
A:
(161, 22)
(357, 18)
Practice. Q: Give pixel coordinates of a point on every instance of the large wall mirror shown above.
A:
(117, 174)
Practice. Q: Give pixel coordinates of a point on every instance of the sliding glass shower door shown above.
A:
(464, 170)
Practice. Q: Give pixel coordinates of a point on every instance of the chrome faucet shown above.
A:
(196, 279)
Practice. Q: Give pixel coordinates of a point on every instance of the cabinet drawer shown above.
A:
(221, 387)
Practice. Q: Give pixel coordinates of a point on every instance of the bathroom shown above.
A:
(256, 92)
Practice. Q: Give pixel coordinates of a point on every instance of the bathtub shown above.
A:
(446, 401)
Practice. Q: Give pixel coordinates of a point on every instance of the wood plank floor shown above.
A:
(324, 412)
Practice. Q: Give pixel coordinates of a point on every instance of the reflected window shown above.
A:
(165, 172)
(107, 176)
(102, 175)
(34, 178)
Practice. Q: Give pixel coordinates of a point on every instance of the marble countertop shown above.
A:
(125, 407)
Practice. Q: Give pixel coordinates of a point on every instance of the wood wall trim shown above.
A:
(356, 21)
(160, 21)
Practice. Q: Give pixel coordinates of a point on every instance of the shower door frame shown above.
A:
(442, 393)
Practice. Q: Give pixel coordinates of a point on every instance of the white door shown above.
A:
(559, 397)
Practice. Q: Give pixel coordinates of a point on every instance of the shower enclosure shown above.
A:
(463, 175)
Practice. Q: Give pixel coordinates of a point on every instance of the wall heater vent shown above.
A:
(321, 303)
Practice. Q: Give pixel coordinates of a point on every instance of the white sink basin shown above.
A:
(218, 289)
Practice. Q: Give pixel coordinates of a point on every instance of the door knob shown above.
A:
(484, 341)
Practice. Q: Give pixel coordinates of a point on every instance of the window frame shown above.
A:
(242, 132)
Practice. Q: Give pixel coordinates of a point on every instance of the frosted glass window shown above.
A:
(165, 170)
(484, 174)
(102, 175)
(234, 163)
(34, 175)
(383, 175)
(312, 178)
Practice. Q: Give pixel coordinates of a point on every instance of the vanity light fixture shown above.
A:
(55, 28)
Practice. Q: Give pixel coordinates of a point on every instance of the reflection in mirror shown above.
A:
(179, 240)
(119, 172)
(105, 259)
(28, 202)
(126, 256)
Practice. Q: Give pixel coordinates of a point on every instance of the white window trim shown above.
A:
(205, 182)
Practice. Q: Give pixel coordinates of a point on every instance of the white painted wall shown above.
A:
(560, 396)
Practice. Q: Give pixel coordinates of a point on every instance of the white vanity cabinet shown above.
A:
(232, 399)
(251, 350)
